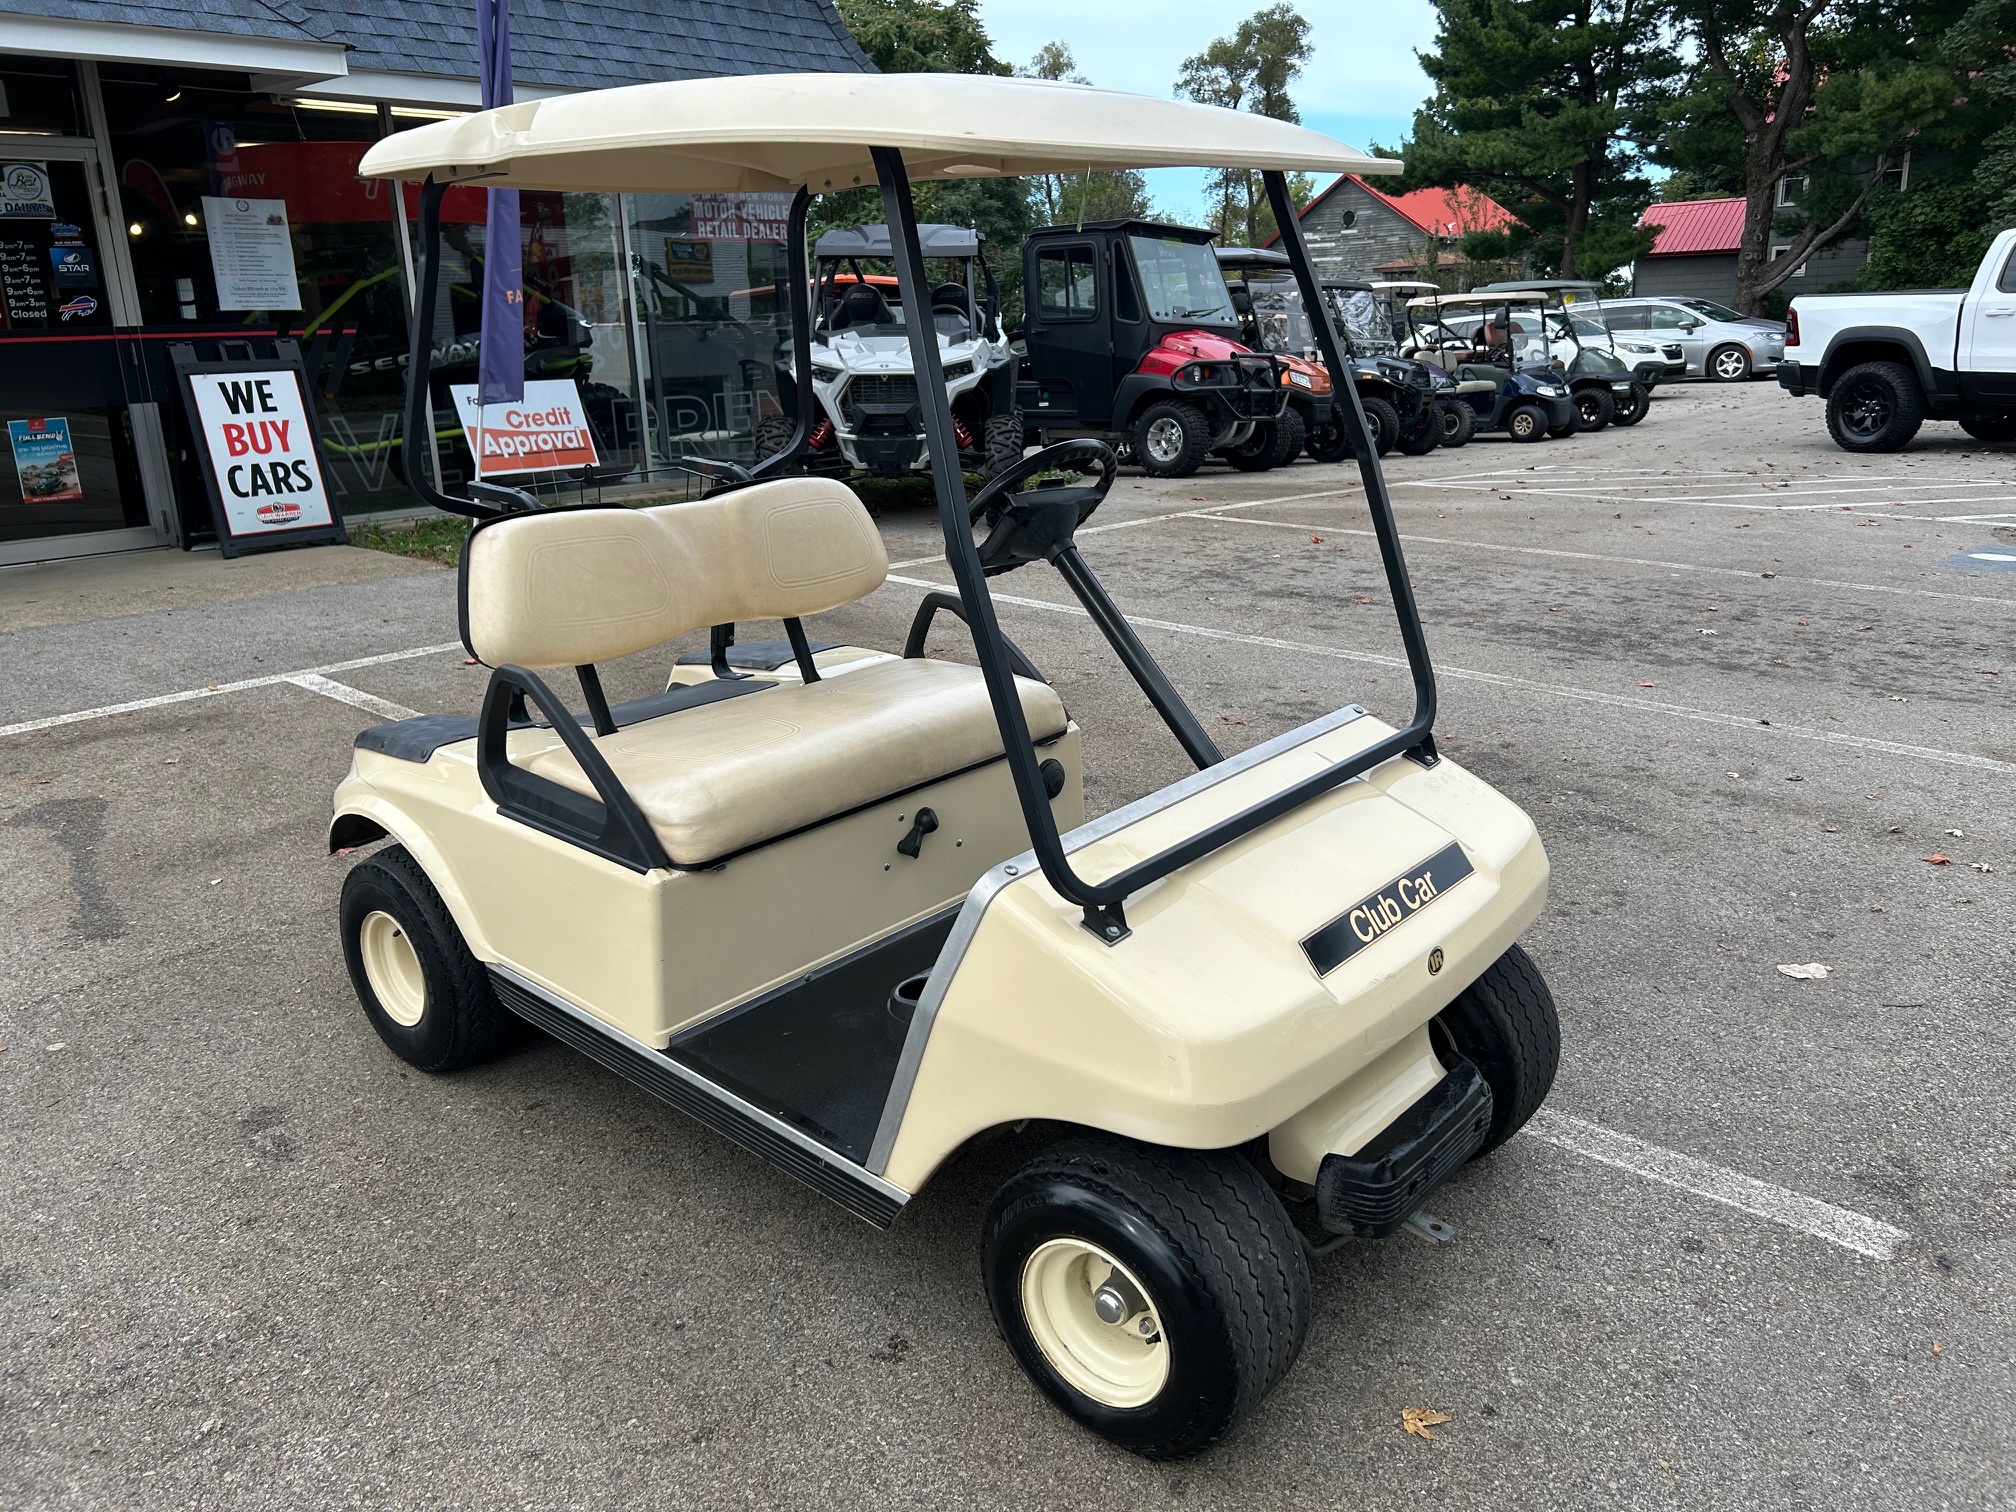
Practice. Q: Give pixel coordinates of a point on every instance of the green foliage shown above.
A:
(1250, 70)
(1533, 101)
(1932, 237)
(922, 36)
(1107, 194)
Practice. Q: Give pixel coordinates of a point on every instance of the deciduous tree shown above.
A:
(1251, 69)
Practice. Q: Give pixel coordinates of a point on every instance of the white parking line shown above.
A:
(1526, 685)
(384, 708)
(1809, 1215)
(137, 705)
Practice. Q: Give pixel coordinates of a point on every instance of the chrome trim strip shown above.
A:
(893, 1196)
(1018, 867)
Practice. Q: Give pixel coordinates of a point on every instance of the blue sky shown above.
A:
(1362, 84)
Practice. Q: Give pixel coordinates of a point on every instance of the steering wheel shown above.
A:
(1037, 525)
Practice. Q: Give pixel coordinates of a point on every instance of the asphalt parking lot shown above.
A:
(1756, 1253)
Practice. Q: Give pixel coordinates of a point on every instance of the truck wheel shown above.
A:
(1875, 407)
(1729, 364)
(1630, 409)
(1459, 423)
(1327, 443)
(1505, 1024)
(1527, 422)
(1990, 427)
(1258, 451)
(1384, 421)
(773, 435)
(1594, 409)
(1423, 433)
(425, 994)
(1005, 436)
(1154, 1294)
(1171, 439)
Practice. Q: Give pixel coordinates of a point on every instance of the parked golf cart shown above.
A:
(1272, 320)
(870, 419)
(1518, 392)
(1610, 386)
(854, 919)
(1132, 338)
(1389, 327)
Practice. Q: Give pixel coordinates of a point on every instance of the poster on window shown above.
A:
(25, 192)
(44, 460)
(261, 445)
(548, 429)
(251, 254)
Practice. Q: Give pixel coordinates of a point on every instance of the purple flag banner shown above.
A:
(501, 354)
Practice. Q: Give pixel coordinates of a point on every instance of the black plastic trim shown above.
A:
(418, 738)
(755, 656)
(722, 1111)
(1371, 1193)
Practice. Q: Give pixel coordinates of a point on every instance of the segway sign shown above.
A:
(1392, 905)
(261, 448)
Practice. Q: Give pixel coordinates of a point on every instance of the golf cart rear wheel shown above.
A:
(1423, 433)
(1459, 423)
(1171, 439)
(425, 994)
(1594, 408)
(1631, 407)
(1527, 422)
(1384, 421)
(1729, 363)
(1154, 1294)
(1506, 1025)
(1291, 431)
(1875, 407)
(1327, 442)
(1259, 451)
(1005, 436)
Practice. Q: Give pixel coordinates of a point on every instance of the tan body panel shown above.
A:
(654, 953)
(1208, 1026)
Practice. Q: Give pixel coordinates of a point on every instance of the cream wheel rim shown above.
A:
(1121, 1363)
(392, 967)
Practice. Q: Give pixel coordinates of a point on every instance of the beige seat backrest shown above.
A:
(569, 587)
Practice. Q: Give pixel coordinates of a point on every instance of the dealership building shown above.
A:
(186, 178)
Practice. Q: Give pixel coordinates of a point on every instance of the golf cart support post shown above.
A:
(1103, 900)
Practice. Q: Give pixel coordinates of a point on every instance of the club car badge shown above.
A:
(1392, 905)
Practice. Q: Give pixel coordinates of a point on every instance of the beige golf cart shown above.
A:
(843, 905)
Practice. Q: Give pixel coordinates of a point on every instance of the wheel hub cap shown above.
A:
(392, 967)
(1165, 440)
(1095, 1323)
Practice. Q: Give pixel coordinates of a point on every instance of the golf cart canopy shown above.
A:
(817, 131)
(1544, 285)
(1384, 284)
(935, 240)
(1479, 298)
(1254, 258)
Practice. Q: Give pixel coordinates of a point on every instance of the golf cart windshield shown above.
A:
(1284, 324)
(1365, 323)
(1181, 281)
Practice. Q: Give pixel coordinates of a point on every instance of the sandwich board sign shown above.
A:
(258, 452)
(547, 429)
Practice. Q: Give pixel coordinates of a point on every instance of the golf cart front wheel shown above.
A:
(1171, 439)
(1327, 443)
(1154, 1294)
(1259, 451)
(1459, 423)
(1527, 422)
(1594, 408)
(425, 994)
(1506, 1025)
(1629, 407)
(1384, 422)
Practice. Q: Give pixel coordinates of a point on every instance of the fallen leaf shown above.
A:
(1956, 834)
(1795, 778)
(1938, 1348)
(1706, 631)
(1361, 601)
(60, 1045)
(344, 850)
(1770, 574)
(1982, 866)
(209, 687)
(1648, 685)
(1316, 540)
(1935, 859)
(1230, 720)
(1802, 622)
(1898, 698)
(470, 661)
(215, 880)
(1418, 1420)
(1812, 971)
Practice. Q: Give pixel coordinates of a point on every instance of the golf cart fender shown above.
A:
(1136, 392)
(364, 815)
(1209, 1024)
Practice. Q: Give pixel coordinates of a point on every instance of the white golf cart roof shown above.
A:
(783, 131)
(934, 239)
(1404, 283)
(1496, 297)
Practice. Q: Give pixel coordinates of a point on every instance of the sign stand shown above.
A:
(258, 448)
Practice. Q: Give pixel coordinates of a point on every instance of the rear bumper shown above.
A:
(1371, 1193)
(1793, 379)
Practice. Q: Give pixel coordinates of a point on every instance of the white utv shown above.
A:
(869, 419)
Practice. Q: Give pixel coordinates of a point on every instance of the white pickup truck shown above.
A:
(1887, 363)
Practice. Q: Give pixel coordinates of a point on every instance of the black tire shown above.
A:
(1384, 421)
(1875, 407)
(1526, 422)
(1291, 432)
(1164, 419)
(1257, 453)
(1210, 1245)
(1327, 442)
(1990, 427)
(1632, 407)
(1459, 423)
(1422, 433)
(1506, 1024)
(1004, 437)
(773, 435)
(1728, 363)
(459, 1023)
(1594, 408)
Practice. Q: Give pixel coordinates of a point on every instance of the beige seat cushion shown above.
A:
(725, 776)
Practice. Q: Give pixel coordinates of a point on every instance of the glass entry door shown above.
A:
(69, 473)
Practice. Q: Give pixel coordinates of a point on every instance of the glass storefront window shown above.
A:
(39, 97)
(244, 216)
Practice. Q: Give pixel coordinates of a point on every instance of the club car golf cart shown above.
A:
(1527, 397)
(856, 921)
(1397, 396)
(869, 413)
(1132, 338)
(1569, 327)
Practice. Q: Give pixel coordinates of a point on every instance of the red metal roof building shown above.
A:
(1691, 227)
(1694, 252)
